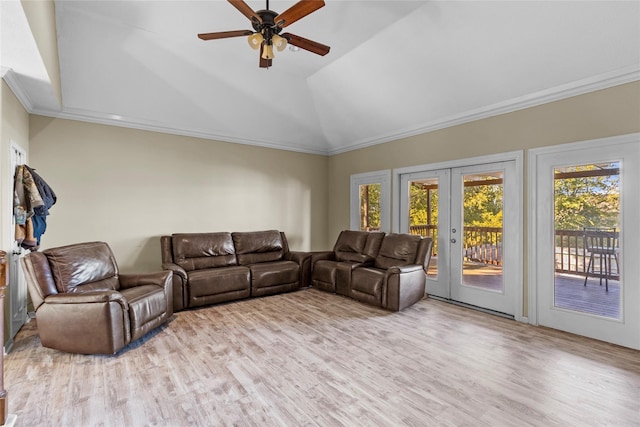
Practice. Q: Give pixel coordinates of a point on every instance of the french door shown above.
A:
(472, 213)
(585, 224)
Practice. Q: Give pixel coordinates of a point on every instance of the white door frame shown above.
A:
(630, 247)
(518, 158)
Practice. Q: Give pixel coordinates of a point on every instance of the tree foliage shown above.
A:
(370, 207)
(592, 201)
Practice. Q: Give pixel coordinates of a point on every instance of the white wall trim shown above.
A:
(12, 80)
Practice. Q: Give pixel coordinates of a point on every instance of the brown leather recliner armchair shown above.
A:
(397, 277)
(83, 305)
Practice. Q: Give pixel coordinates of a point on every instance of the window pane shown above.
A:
(586, 229)
(482, 253)
(370, 207)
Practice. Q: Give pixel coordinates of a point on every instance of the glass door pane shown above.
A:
(587, 229)
(482, 230)
(423, 216)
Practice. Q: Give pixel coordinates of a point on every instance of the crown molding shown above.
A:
(557, 93)
(579, 87)
(139, 124)
(12, 80)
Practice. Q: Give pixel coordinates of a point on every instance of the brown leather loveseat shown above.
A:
(210, 268)
(385, 270)
(83, 305)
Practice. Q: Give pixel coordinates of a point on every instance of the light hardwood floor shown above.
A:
(311, 358)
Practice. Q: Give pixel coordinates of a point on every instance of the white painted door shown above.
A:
(476, 257)
(579, 189)
(485, 236)
(425, 203)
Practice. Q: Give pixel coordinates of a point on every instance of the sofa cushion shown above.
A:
(397, 250)
(350, 246)
(258, 246)
(218, 281)
(83, 267)
(274, 273)
(196, 251)
(367, 284)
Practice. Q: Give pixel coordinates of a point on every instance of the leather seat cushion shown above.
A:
(146, 302)
(218, 280)
(325, 271)
(368, 281)
(274, 273)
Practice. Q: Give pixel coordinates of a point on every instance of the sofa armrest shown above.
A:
(160, 278)
(303, 259)
(318, 255)
(403, 287)
(177, 270)
(86, 298)
(405, 269)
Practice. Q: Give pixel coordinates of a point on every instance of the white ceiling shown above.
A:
(396, 68)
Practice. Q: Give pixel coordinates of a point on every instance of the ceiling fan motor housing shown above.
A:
(268, 25)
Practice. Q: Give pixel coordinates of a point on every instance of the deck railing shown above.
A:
(484, 244)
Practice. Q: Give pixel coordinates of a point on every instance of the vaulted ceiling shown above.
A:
(396, 68)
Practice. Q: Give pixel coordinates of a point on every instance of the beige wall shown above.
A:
(609, 112)
(128, 187)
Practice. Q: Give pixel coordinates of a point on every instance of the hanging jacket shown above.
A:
(46, 193)
(26, 195)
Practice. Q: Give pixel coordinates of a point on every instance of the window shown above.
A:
(371, 201)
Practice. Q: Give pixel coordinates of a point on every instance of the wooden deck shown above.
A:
(570, 292)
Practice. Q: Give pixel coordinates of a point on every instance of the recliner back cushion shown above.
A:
(397, 250)
(350, 246)
(258, 246)
(197, 251)
(83, 267)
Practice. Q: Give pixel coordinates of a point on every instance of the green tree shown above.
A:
(587, 201)
(370, 207)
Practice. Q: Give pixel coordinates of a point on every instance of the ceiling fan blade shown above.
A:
(224, 34)
(264, 63)
(306, 44)
(297, 11)
(246, 10)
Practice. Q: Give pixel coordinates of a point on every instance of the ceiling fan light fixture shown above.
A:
(279, 42)
(267, 51)
(255, 40)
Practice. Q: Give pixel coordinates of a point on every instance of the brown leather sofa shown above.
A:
(210, 268)
(83, 305)
(385, 270)
(332, 269)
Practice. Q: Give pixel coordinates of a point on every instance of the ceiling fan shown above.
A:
(267, 26)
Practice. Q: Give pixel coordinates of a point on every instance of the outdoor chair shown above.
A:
(604, 244)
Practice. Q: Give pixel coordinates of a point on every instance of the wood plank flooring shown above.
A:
(310, 358)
